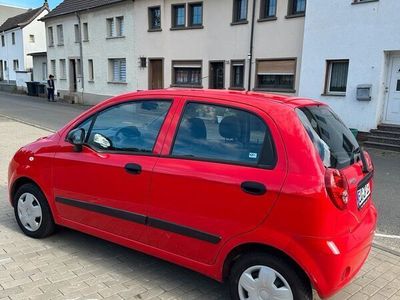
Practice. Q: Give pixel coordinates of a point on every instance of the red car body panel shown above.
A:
(295, 216)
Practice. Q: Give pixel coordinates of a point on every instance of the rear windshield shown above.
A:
(334, 142)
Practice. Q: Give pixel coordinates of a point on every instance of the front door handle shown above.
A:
(253, 188)
(134, 169)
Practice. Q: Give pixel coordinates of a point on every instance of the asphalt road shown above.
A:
(387, 164)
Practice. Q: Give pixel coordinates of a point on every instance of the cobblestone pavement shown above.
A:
(72, 265)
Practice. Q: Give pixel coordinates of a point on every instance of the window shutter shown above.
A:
(123, 70)
(115, 70)
(276, 67)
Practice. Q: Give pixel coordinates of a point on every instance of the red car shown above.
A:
(271, 193)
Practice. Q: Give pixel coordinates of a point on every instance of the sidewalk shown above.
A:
(72, 265)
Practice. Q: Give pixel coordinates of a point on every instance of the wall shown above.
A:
(363, 33)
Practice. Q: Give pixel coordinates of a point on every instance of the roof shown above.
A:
(23, 19)
(72, 6)
(7, 11)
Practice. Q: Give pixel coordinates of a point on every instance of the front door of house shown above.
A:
(393, 97)
(156, 74)
(217, 75)
(72, 76)
(1, 70)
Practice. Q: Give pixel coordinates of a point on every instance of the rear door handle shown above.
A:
(253, 188)
(134, 169)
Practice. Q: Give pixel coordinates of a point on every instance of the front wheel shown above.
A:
(262, 276)
(33, 212)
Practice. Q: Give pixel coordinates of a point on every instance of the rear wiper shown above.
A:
(363, 160)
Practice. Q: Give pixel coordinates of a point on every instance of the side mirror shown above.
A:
(77, 138)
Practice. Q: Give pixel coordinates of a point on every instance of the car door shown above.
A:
(106, 185)
(221, 170)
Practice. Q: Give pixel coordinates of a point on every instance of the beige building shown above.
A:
(103, 49)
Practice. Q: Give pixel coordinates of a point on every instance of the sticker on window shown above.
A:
(252, 155)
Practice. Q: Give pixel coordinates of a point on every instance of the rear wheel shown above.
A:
(33, 212)
(261, 276)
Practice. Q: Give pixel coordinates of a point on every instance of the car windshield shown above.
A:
(334, 142)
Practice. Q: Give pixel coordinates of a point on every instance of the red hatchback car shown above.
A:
(271, 193)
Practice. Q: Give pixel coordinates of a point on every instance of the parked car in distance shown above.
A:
(268, 192)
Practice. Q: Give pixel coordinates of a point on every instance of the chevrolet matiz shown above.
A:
(270, 193)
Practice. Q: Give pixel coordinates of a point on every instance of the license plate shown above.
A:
(363, 194)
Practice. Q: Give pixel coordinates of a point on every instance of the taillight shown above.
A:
(337, 188)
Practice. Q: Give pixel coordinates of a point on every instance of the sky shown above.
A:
(30, 3)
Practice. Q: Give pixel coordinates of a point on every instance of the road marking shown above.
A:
(387, 236)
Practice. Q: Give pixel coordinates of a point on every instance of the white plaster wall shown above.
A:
(37, 28)
(362, 33)
(11, 52)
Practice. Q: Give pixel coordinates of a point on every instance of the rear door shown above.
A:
(339, 149)
(221, 169)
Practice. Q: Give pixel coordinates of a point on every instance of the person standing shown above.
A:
(50, 88)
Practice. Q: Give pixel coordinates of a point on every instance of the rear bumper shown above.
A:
(334, 262)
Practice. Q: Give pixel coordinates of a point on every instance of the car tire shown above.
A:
(32, 212)
(279, 279)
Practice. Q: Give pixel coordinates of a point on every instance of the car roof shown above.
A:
(243, 97)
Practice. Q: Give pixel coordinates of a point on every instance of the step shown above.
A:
(382, 146)
(384, 140)
(393, 134)
(389, 127)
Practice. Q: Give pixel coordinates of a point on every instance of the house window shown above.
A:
(120, 26)
(78, 68)
(44, 71)
(110, 27)
(31, 38)
(195, 14)
(16, 64)
(117, 70)
(178, 16)
(5, 66)
(85, 32)
(91, 70)
(13, 38)
(77, 33)
(276, 74)
(3, 42)
(63, 69)
(155, 18)
(186, 73)
(237, 74)
(297, 7)
(239, 11)
(60, 35)
(50, 36)
(53, 68)
(268, 9)
(336, 79)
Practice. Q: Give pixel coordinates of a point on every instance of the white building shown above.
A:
(20, 35)
(352, 46)
(126, 45)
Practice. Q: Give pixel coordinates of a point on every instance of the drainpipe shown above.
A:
(250, 55)
(81, 52)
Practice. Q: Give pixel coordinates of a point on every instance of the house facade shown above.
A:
(19, 36)
(351, 59)
(117, 46)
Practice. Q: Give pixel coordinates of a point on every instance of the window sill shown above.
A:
(187, 28)
(63, 79)
(60, 45)
(291, 91)
(117, 82)
(295, 16)
(334, 94)
(365, 1)
(154, 30)
(236, 88)
(234, 23)
(186, 86)
(267, 19)
(85, 41)
(51, 46)
(115, 37)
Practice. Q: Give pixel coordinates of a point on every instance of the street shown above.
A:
(71, 265)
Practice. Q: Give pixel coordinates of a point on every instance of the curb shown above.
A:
(386, 249)
(27, 123)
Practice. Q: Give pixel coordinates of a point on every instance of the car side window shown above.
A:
(131, 127)
(221, 133)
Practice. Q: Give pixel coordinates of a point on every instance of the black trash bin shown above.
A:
(32, 88)
(41, 88)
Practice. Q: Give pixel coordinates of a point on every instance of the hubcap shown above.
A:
(29, 212)
(263, 283)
